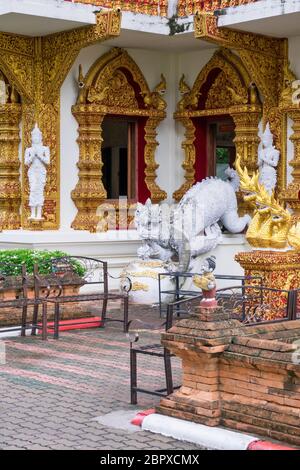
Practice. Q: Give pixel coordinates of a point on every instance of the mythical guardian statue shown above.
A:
(192, 227)
(268, 157)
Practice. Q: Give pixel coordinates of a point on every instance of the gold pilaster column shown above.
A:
(246, 120)
(10, 188)
(292, 193)
(89, 191)
(188, 164)
(157, 194)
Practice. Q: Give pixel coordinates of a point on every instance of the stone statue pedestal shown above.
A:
(35, 224)
(278, 270)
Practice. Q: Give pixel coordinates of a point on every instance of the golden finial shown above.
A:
(162, 86)
(81, 82)
(183, 86)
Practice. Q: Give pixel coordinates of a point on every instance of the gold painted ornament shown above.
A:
(271, 226)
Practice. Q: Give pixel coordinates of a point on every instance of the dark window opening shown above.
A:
(221, 148)
(119, 157)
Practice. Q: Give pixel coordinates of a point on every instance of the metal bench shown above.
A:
(89, 276)
(22, 300)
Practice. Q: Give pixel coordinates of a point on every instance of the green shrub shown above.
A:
(11, 261)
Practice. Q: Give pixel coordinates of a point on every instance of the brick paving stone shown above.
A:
(52, 391)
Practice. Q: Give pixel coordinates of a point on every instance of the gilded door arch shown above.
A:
(114, 85)
(223, 87)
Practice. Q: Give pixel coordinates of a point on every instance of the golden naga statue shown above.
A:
(271, 225)
(154, 99)
(189, 98)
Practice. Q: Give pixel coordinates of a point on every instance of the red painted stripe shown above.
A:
(78, 324)
(138, 420)
(265, 445)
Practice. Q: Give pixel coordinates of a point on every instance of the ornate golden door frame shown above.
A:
(113, 86)
(223, 87)
(10, 188)
(37, 68)
(266, 61)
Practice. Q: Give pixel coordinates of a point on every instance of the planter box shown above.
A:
(11, 286)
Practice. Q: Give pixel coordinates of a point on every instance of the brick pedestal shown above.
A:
(245, 378)
(199, 341)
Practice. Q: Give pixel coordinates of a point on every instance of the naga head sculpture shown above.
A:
(271, 226)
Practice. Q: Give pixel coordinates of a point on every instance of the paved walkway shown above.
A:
(52, 391)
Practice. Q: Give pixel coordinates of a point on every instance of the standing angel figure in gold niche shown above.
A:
(37, 157)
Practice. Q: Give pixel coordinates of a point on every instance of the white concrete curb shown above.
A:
(205, 436)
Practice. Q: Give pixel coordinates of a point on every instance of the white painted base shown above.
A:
(204, 436)
(13, 333)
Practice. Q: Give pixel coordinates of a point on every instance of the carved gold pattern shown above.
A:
(117, 93)
(289, 109)
(106, 90)
(157, 194)
(148, 273)
(222, 95)
(206, 27)
(189, 157)
(153, 7)
(152, 264)
(246, 119)
(191, 7)
(36, 68)
(231, 93)
(271, 226)
(278, 270)
(10, 188)
(89, 191)
(138, 286)
(265, 60)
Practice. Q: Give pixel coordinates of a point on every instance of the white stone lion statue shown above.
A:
(193, 227)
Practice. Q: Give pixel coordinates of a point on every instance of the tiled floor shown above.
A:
(52, 391)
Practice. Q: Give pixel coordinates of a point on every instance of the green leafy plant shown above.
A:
(11, 261)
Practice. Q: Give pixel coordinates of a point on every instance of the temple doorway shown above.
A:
(221, 151)
(214, 146)
(119, 157)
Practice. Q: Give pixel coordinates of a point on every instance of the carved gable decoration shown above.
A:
(229, 86)
(115, 81)
(117, 93)
(221, 93)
